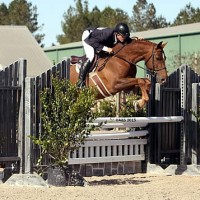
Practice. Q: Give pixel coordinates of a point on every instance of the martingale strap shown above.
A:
(99, 84)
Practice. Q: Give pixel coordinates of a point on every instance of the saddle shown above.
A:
(78, 59)
(82, 59)
(94, 66)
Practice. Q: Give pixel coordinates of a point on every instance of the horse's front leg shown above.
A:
(144, 85)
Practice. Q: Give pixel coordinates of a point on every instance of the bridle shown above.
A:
(155, 70)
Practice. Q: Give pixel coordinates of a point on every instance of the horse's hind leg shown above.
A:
(145, 85)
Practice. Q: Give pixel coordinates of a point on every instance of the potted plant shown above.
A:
(65, 113)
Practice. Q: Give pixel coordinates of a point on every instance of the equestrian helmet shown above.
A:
(122, 29)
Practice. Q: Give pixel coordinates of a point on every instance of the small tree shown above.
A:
(65, 114)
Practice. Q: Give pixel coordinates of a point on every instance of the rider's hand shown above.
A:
(110, 50)
(138, 38)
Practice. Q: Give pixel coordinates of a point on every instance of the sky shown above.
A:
(51, 12)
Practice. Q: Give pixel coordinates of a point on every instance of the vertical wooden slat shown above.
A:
(1, 124)
(48, 79)
(6, 110)
(28, 127)
(36, 115)
(67, 68)
(194, 123)
(3, 136)
(21, 121)
(15, 105)
(58, 70)
(8, 114)
(33, 118)
(198, 124)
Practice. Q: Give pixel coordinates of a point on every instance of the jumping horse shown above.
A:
(117, 72)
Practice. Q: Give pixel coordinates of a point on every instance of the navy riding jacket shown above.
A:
(100, 38)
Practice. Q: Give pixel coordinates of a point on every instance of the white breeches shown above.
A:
(89, 50)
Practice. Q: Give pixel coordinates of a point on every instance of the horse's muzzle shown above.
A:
(160, 80)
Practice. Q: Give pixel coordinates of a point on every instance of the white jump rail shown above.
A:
(130, 122)
(118, 146)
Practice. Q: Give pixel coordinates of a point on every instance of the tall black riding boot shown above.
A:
(83, 73)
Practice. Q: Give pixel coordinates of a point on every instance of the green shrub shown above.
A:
(65, 112)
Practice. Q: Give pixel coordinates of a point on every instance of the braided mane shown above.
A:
(142, 41)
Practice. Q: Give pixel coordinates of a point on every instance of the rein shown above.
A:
(108, 58)
(153, 73)
(131, 63)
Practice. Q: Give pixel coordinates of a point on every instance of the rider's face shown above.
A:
(120, 37)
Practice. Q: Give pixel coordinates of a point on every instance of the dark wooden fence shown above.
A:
(12, 112)
(32, 109)
(195, 124)
(168, 143)
(175, 143)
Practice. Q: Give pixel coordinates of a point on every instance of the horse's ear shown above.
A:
(161, 45)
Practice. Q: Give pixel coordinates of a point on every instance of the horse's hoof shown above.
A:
(136, 106)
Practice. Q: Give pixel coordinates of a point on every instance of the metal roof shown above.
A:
(169, 31)
(150, 34)
(65, 46)
(17, 42)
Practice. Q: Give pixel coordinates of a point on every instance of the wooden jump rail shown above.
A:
(118, 146)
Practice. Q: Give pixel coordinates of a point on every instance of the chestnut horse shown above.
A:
(117, 72)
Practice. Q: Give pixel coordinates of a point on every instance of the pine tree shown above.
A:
(144, 17)
(77, 19)
(4, 14)
(187, 15)
(21, 12)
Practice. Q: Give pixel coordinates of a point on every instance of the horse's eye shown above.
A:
(158, 58)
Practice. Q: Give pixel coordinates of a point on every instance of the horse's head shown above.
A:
(153, 55)
(155, 62)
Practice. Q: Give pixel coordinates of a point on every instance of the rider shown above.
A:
(100, 39)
